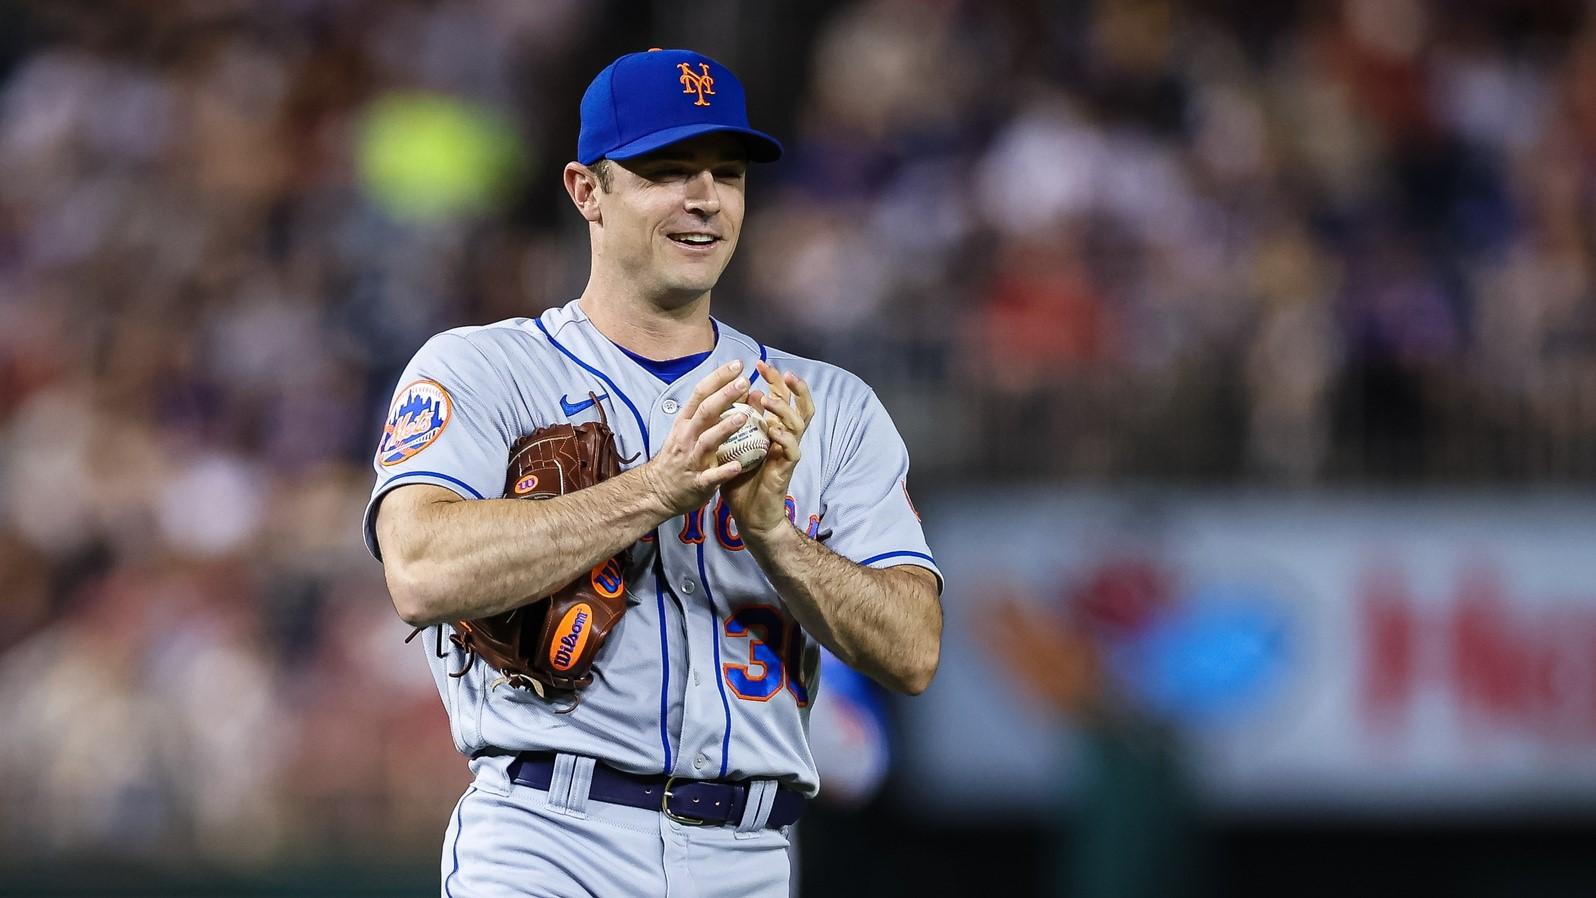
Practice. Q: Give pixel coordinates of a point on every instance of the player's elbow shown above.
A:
(412, 596)
(921, 665)
(412, 585)
(911, 672)
(405, 528)
(918, 674)
(920, 639)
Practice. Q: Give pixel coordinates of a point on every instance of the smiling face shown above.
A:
(668, 223)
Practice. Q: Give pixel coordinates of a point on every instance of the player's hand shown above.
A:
(758, 499)
(683, 475)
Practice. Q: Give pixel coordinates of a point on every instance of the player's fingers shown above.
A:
(771, 404)
(788, 441)
(805, 399)
(720, 475)
(784, 414)
(773, 376)
(711, 439)
(764, 404)
(716, 403)
(780, 381)
(714, 381)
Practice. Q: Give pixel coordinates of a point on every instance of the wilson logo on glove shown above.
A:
(573, 635)
(607, 579)
(548, 643)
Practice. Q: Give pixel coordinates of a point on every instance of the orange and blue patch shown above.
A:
(420, 411)
(572, 636)
(608, 580)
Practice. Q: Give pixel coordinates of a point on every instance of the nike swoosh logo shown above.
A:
(573, 408)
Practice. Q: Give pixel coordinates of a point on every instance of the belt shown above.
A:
(693, 802)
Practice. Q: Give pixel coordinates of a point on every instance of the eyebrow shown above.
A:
(679, 156)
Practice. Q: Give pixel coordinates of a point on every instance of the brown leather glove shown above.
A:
(548, 645)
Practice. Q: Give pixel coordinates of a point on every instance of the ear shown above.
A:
(583, 187)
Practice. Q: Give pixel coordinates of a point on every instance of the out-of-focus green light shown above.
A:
(425, 156)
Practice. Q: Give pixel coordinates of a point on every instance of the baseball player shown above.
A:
(684, 762)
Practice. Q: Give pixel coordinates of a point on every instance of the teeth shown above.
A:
(700, 239)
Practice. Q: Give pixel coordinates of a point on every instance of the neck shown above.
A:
(647, 326)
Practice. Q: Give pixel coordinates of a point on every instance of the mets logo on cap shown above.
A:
(421, 410)
(699, 82)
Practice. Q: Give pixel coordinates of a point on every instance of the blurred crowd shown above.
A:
(1285, 243)
(1211, 241)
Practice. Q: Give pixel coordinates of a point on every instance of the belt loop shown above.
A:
(756, 811)
(581, 786)
(558, 798)
(491, 773)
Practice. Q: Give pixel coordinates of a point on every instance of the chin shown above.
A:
(691, 284)
(681, 293)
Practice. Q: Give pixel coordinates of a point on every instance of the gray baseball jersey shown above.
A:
(707, 675)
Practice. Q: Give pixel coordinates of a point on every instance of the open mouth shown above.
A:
(694, 240)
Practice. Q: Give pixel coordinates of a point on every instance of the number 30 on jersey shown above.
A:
(774, 661)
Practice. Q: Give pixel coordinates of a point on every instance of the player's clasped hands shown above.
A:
(758, 501)
(684, 474)
(789, 403)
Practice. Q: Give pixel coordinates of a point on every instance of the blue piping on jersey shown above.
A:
(643, 428)
(664, 644)
(454, 480)
(764, 356)
(885, 555)
(664, 639)
(664, 654)
(459, 814)
(714, 620)
(720, 679)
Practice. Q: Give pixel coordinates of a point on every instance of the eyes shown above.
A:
(730, 173)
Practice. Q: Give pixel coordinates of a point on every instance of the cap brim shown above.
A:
(761, 146)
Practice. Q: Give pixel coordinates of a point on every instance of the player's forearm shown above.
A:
(457, 560)
(886, 624)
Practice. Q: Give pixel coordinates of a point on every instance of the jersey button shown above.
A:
(688, 586)
(699, 762)
(669, 406)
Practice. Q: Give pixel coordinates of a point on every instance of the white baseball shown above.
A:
(749, 443)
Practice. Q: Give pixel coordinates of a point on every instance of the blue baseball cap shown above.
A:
(644, 101)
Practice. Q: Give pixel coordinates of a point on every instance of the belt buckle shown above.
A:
(665, 808)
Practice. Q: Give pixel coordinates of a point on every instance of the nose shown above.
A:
(703, 195)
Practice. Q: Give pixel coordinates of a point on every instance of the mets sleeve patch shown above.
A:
(421, 410)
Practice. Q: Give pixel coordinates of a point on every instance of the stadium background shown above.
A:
(1248, 348)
